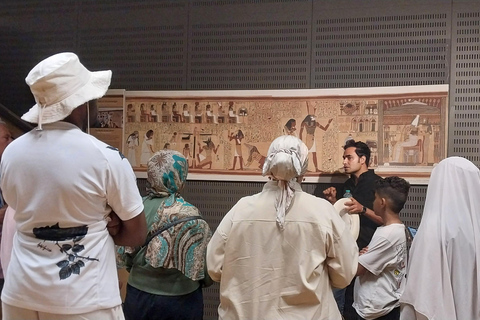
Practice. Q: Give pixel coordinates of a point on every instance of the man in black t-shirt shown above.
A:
(356, 158)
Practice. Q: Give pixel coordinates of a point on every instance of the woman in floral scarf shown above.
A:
(167, 273)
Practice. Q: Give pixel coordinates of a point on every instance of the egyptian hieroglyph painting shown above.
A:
(232, 135)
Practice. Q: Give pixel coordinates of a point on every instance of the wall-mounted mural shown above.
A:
(110, 119)
(221, 133)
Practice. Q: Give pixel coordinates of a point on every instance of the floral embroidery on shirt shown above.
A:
(73, 261)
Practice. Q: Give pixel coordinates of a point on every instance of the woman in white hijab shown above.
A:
(443, 278)
(277, 254)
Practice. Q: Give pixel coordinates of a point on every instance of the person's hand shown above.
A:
(330, 194)
(114, 223)
(353, 206)
(364, 250)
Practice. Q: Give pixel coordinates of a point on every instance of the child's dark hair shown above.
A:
(361, 149)
(395, 189)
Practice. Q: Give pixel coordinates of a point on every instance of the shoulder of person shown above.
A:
(377, 177)
(369, 176)
(317, 204)
(246, 199)
(391, 231)
(109, 151)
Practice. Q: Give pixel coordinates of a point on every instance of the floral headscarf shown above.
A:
(166, 173)
(287, 159)
(182, 246)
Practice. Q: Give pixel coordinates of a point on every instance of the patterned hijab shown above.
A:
(183, 245)
(166, 173)
(287, 159)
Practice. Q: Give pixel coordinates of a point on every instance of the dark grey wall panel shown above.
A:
(464, 119)
(249, 44)
(380, 43)
(143, 42)
(29, 32)
(412, 211)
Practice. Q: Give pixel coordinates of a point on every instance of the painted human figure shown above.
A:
(412, 140)
(210, 114)
(130, 113)
(144, 111)
(187, 114)
(165, 113)
(132, 144)
(174, 139)
(238, 148)
(207, 159)
(254, 154)
(153, 113)
(110, 122)
(290, 127)
(221, 113)
(187, 154)
(425, 132)
(147, 148)
(198, 112)
(177, 116)
(310, 124)
(231, 112)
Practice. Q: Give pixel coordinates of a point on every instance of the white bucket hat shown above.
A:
(60, 84)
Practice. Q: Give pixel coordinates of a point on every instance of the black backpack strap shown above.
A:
(409, 236)
(168, 226)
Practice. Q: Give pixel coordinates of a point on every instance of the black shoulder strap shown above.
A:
(409, 238)
(168, 226)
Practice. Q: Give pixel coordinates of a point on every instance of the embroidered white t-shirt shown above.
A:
(62, 184)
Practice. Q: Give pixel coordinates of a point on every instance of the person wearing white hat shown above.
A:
(278, 253)
(74, 197)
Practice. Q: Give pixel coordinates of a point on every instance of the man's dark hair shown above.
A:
(361, 149)
(395, 189)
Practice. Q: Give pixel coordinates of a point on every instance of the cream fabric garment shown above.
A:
(266, 273)
(287, 159)
(443, 279)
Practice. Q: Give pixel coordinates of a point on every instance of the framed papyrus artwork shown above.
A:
(226, 134)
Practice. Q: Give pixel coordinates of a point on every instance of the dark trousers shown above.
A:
(349, 312)
(392, 315)
(142, 305)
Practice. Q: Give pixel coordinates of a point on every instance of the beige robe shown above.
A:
(266, 273)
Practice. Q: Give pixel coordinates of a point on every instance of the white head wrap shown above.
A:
(287, 159)
(443, 279)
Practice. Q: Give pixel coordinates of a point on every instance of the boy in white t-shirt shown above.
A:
(382, 264)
